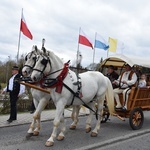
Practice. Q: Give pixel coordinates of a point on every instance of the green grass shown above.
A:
(3, 85)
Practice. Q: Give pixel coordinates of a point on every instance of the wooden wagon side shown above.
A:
(139, 100)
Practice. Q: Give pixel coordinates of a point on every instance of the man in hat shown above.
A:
(112, 75)
(15, 90)
(125, 81)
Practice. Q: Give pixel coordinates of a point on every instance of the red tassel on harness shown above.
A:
(61, 77)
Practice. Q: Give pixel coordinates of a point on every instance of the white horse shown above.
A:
(95, 86)
(40, 99)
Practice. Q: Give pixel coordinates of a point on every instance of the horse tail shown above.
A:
(110, 96)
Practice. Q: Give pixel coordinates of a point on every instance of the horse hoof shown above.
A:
(60, 138)
(29, 135)
(88, 130)
(35, 133)
(49, 143)
(72, 127)
(93, 134)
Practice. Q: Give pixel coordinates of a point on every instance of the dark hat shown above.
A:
(111, 67)
(15, 68)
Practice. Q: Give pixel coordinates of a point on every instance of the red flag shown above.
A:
(84, 40)
(24, 28)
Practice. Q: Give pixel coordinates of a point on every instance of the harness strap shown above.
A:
(61, 77)
(76, 95)
(78, 83)
(58, 81)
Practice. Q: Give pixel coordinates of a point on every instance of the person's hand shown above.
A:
(19, 95)
(124, 82)
(114, 82)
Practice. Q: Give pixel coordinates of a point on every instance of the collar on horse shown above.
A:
(58, 82)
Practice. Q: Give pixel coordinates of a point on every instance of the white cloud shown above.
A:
(59, 21)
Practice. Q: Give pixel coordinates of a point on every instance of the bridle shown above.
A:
(47, 61)
(30, 56)
(44, 62)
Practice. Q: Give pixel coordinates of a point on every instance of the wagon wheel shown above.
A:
(106, 113)
(136, 118)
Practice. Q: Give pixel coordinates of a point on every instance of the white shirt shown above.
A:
(125, 77)
(22, 87)
(142, 83)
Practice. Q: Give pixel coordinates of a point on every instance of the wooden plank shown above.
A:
(35, 87)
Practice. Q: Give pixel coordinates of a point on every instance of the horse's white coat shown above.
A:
(95, 86)
(40, 99)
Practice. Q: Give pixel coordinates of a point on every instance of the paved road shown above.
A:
(114, 135)
(24, 118)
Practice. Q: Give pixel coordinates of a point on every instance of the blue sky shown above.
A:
(58, 21)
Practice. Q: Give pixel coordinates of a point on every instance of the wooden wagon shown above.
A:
(139, 98)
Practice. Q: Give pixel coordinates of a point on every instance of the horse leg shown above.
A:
(89, 118)
(63, 129)
(38, 127)
(74, 116)
(59, 112)
(31, 129)
(100, 109)
(37, 115)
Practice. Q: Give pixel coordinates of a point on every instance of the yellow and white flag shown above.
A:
(112, 45)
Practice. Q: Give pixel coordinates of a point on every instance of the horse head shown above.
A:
(30, 60)
(42, 66)
(47, 64)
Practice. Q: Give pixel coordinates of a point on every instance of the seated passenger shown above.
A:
(142, 81)
(112, 75)
(125, 81)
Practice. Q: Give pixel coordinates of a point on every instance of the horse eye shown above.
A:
(44, 62)
(34, 58)
(26, 58)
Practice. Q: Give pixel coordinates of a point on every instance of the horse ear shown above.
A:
(33, 47)
(44, 49)
(36, 48)
(48, 53)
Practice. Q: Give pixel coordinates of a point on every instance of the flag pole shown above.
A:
(94, 48)
(19, 39)
(108, 49)
(78, 51)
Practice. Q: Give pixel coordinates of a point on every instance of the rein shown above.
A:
(76, 95)
(29, 66)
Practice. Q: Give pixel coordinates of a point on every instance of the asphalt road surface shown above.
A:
(114, 135)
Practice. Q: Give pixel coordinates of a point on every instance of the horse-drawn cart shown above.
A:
(139, 98)
(47, 70)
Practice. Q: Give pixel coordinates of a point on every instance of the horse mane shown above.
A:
(51, 55)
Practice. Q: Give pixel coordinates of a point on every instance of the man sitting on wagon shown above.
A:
(112, 75)
(125, 81)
